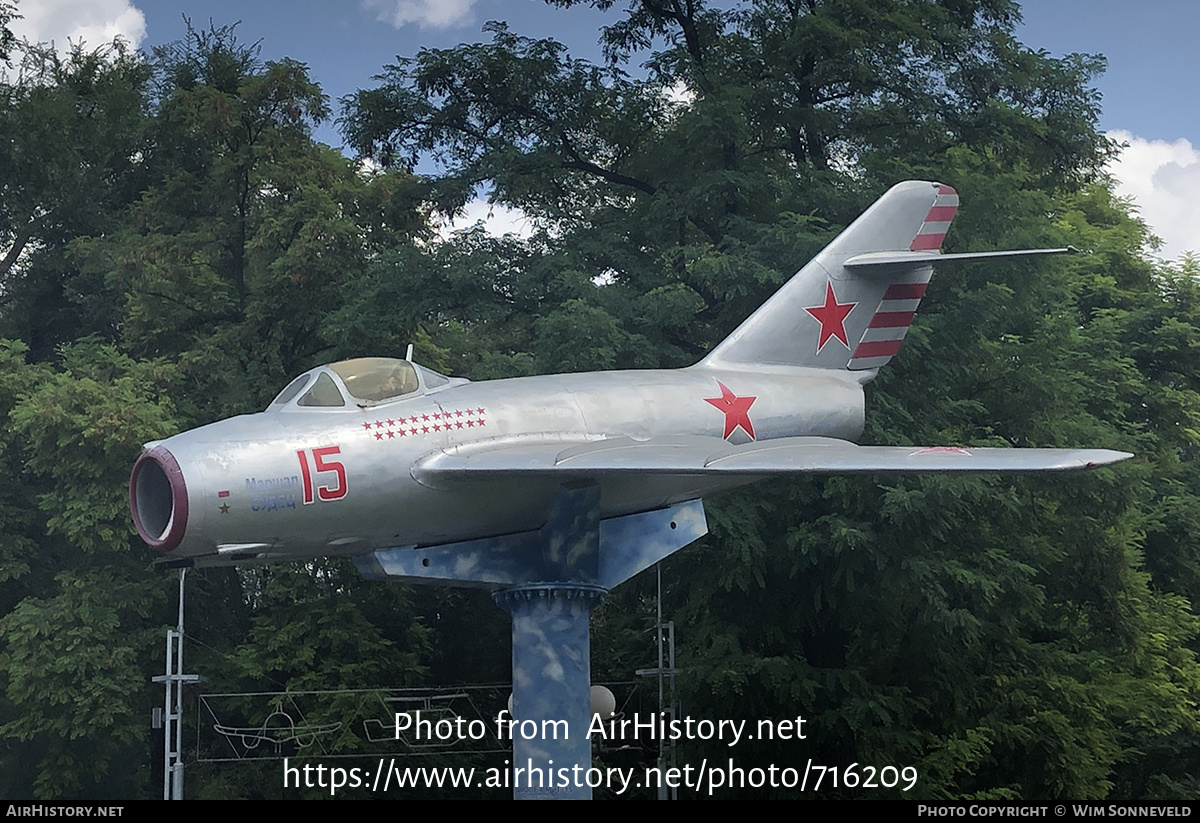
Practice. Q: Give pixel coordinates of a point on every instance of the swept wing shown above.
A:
(702, 456)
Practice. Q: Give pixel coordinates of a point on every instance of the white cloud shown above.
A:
(497, 220)
(679, 94)
(428, 14)
(92, 22)
(1164, 181)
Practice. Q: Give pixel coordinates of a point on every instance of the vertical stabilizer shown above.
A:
(833, 316)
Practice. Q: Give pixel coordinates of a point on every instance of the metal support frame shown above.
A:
(549, 581)
(173, 706)
(668, 705)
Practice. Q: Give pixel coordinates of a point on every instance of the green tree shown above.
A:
(72, 160)
(217, 235)
(77, 638)
(8, 40)
(248, 227)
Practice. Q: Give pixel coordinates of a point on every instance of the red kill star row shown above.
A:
(419, 424)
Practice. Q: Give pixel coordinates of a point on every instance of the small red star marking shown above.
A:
(366, 425)
(736, 410)
(391, 434)
(425, 429)
(479, 411)
(402, 432)
(424, 417)
(458, 424)
(471, 423)
(832, 317)
(378, 435)
(391, 423)
(379, 424)
(458, 413)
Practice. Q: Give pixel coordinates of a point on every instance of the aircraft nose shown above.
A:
(158, 499)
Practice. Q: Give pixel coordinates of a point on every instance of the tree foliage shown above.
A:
(75, 136)
(182, 243)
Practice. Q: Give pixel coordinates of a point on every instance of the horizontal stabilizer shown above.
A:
(700, 456)
(925, 258)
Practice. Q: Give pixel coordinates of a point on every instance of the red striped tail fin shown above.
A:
(887, 328)
(851, 305)
(839, 316)
(937, 221)
(889, 324)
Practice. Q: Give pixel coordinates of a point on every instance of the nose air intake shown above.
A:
(158, 500)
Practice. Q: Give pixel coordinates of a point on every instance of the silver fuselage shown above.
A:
(371, 454)
(247, 495)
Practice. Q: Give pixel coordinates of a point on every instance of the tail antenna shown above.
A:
(408, 354)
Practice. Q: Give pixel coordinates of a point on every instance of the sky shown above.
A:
(1151, 58)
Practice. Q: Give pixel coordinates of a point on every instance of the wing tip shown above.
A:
(1106, 457)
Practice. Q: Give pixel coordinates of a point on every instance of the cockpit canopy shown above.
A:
(365, 380)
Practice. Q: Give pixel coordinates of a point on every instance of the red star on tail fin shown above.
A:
(832, 317)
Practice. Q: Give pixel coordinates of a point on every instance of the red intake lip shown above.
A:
(158, 500)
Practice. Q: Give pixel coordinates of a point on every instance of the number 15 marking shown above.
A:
(324, 492)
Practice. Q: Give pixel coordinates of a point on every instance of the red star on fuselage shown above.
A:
(736, 410)
(832, 317)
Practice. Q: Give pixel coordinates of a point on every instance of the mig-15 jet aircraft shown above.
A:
(381, 454)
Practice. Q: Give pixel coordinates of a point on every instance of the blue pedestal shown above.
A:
(551, 668)
(549, 581)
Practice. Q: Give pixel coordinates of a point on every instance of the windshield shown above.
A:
(292, 390)
(324, 392)
(366, 380)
